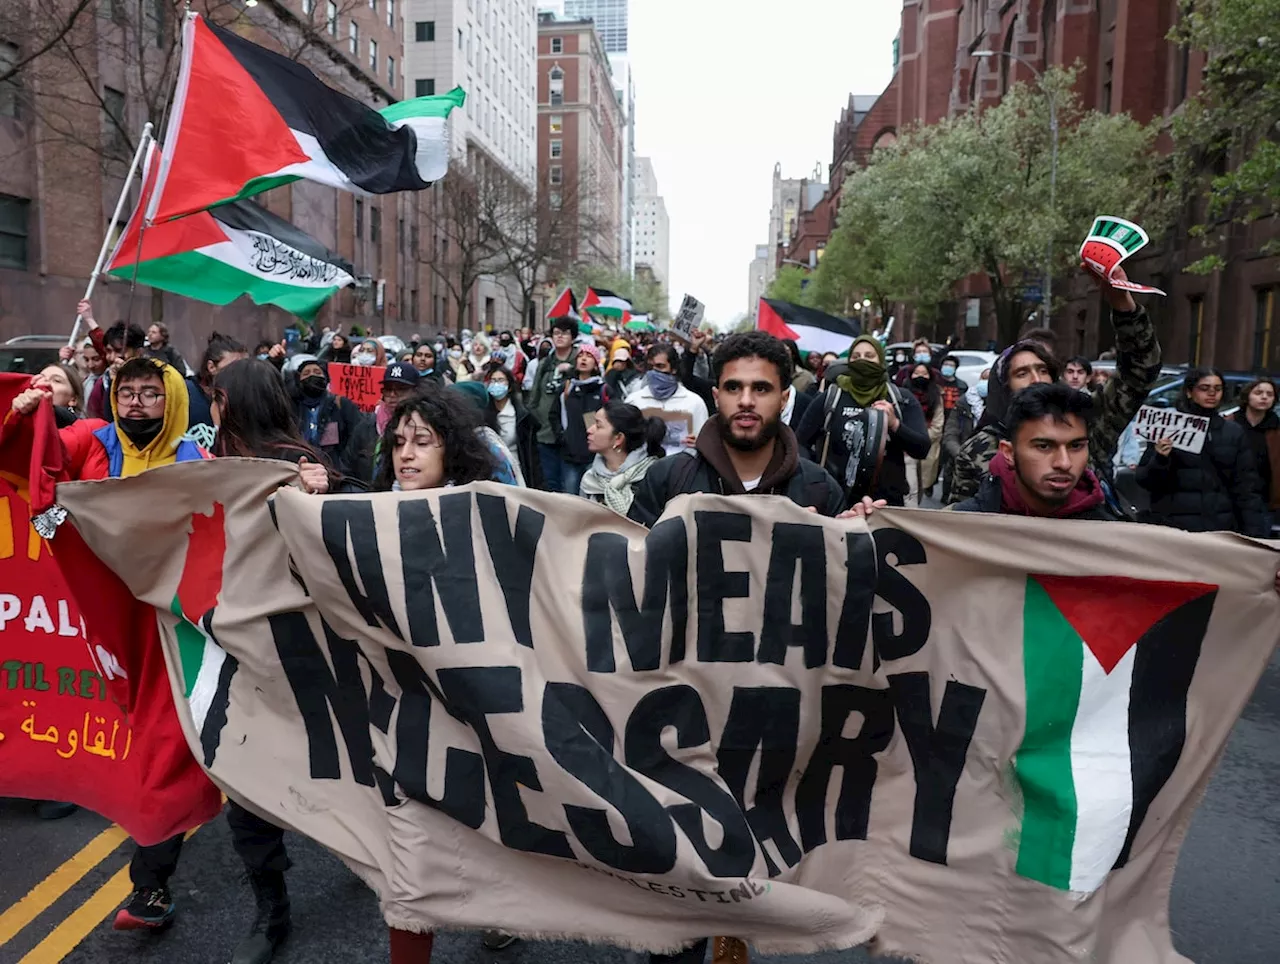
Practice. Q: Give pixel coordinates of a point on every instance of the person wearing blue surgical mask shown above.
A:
(513, 423)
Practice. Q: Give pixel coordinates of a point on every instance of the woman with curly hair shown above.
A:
(433, 440)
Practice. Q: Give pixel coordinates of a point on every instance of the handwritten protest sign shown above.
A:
(1187, 432)
(679, 427)
(688, 318)
(748, 720)
(360, 383)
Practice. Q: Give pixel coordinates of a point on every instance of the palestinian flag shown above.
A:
(810, 329)
(605, 303)
(207, 668)
(233, 250)
(246, 119)
(566, 306)
(1108, 663)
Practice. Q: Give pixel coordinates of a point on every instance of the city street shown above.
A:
(1224, 898)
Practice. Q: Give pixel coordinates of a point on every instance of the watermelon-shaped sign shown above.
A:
(1111, 240)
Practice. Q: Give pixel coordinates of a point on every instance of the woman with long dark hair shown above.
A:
(922, 474)
(1215, 489)
(625, 443)
(1257, 416)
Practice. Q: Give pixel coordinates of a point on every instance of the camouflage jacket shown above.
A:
(1115, 405)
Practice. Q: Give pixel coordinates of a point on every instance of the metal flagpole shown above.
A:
(143, 141)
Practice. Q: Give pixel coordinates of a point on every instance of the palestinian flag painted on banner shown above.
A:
(207, 668)
(810, 329)
(233, 250)
(605, 303)
(1108, 662)
(246, 119)
(566, 306)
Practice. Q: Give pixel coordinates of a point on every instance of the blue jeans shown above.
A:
(552, 467)
(571, 477)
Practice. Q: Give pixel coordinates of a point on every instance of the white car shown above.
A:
(970, 364)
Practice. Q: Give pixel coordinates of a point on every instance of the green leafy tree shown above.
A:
(1227, 139)
(970, 195)
(790, 285)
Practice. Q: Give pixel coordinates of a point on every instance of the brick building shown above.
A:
(580, 133)
(1228, 319)
(65, 159)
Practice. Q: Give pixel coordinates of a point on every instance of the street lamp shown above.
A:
(1053, 164)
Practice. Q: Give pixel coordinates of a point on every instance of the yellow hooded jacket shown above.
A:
(124, 459)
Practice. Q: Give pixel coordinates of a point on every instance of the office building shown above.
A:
(652, 228)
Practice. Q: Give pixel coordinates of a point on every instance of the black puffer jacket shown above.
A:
(1214, 490)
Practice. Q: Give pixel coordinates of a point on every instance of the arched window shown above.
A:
(1049, 30)
(557, 73)
(1007, 63)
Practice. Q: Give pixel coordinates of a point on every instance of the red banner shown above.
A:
(360, 383)
(86, 708)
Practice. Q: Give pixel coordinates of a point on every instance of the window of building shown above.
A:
(1107, 77)
(413, 305)
(424, 87)
(413, 241)
(557, 86)
(373, 55)
(331, 18)
(373, 4)
(8, 89)
(391, 70)
(556, 174)
(354, 39)
(557, 45)
(557, 123)
(1197, 330)
(424, 31)
(459, 38)
(14, 213)
(359, 219)
(557, 148)
(157, 19)
(308, 7)
(1263, 318)
(375, 223)
(114, 120)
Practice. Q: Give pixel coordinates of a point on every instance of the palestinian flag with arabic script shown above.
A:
(1108, 663)
(246, 119)
(233, 250)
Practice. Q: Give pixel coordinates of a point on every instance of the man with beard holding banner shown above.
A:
(744, 450)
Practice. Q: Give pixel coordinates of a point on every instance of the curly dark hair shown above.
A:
(753, 344)
(466, 454)
(1048, 400)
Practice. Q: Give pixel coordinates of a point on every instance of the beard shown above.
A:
(768, 432)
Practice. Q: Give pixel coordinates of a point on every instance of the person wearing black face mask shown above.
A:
(331, 423)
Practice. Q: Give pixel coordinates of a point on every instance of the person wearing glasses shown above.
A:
(1215, 489)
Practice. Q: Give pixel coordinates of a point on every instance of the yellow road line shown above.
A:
(64, 938)
(59, 882)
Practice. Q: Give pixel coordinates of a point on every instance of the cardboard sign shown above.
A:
(360, 383)
(1111, 241)
(688, 318)
(679, 427)
(1187, 432)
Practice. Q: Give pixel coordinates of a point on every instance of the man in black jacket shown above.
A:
(745, 449)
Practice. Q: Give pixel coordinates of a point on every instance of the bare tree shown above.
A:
(540, 233)
(466, 244)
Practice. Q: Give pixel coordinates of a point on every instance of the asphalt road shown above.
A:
(1224, 904)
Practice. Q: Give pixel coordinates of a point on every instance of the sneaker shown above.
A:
(497, 941)
(148, 909)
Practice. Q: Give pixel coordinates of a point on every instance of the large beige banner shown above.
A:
(963, 738)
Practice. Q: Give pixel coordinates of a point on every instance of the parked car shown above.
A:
(970, 364)
(28, 354)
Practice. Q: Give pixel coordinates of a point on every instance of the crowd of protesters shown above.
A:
(630, 422)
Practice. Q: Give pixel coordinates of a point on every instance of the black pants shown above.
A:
(690, 955)
(259, 843)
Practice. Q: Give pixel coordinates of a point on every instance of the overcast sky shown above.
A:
(724, 90)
